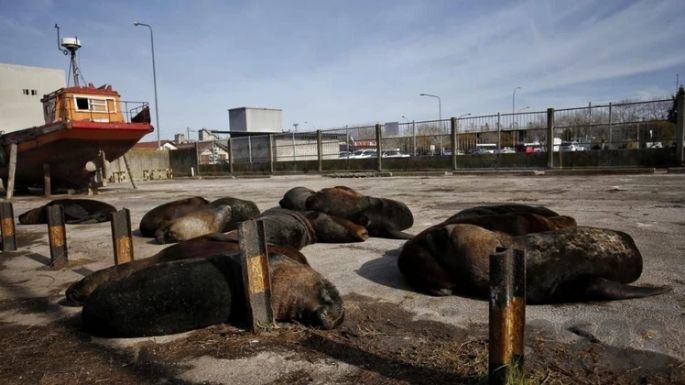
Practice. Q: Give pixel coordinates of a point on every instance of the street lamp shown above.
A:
(439, 105)
(523, 109)
(513, 100)
(463, 115)
(154, 77)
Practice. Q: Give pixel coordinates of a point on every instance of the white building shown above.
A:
(251, 119)
(21, 88)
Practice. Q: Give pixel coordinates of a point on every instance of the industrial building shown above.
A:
(21, 89)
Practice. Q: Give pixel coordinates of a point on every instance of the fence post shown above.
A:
(121, 236)
(230, 155)
(507, 316)
(499, 136)
(319, 150)
(249, 149)
(12, 171)
(57, 236)
(379, 147)
(9, 240)
(256, 278)
(550, 137)
(680, 127)
(197, 158)
(610, 128)
(271, 153)
(413, 134)
(455, 144)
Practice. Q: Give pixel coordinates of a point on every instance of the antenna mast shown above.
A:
(69, 46)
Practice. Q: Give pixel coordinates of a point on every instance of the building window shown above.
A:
(82, 104)
(34, 92)
(26, 91)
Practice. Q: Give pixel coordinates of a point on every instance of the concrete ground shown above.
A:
(649, 207)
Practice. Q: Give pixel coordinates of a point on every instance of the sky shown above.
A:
(328, 64)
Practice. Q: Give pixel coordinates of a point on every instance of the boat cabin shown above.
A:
(91, 104)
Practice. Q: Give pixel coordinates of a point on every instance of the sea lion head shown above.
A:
(327, 311)
(33, 217)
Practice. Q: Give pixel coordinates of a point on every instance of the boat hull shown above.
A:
(67, 147)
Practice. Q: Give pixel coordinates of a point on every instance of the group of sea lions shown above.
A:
(198, 281)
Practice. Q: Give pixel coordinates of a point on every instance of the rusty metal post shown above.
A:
(680, 128)
(455, 145)
(9, 240)
(256, 277)
(379, 147)
(507, 314)
(11, 171)
(121, 236)
(231, 159)
(57, 235)
(550, 137)
(319, 150)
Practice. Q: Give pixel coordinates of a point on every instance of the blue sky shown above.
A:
(337, 63)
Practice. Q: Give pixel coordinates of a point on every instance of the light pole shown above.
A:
(439, 116)
(513, 100)
(463, 115)
(523, 109)
(154, 77)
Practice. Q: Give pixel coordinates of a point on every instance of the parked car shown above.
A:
(364, 154)
(344, 154)
(570, 146)
(396, 153)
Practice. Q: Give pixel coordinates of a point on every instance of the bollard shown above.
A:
(121, 236)
(256, 277)
(9, 240)
(57, 236)
(507, 314)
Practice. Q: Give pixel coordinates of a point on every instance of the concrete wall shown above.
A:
(144, 165)
(17, 110)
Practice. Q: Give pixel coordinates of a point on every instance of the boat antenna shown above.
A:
(69, 46)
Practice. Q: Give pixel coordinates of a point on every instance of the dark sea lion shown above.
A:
(172, 297)
(332, 229)
(572, 264)
(516, 223)
(203, 246)
(153, 219)
(75, 211)
(287, 228)
(508, 208)
(382, 217)
(205, 220)
(296, 199)
(241, 210)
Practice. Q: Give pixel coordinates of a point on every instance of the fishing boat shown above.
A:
(84, 125)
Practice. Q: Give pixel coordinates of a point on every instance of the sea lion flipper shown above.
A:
(601, 289)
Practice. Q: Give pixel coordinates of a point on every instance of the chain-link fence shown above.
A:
(498, 140)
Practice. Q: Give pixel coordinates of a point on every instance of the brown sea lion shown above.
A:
(296, 199)
(203, 246)
(572, 264)
(75, 211)
(153, 219)
(241, 210)
(501, 209)
(205, 220)
(381, 217)
(516, 223)
(332, 229)
(172, 297)
(287, 228)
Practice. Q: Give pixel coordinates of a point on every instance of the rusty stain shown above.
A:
(57, 236)
(255, 271)
(8, 227)
(124, 251)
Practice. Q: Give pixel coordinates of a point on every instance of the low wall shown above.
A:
(144, 165)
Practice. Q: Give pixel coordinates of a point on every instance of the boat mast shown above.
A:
(69, 46)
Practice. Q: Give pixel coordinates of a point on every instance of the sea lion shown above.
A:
(203, 246)
(296, 199)
(382, 217)
(241, 210)
(75, 211)
(332, 229)
(516, 223)
(205, 220)
(571, 264)
(507, 208)
(153, 219)
(287, 228)
(172, 297)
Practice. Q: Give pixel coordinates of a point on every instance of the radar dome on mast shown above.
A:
(69, 46)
